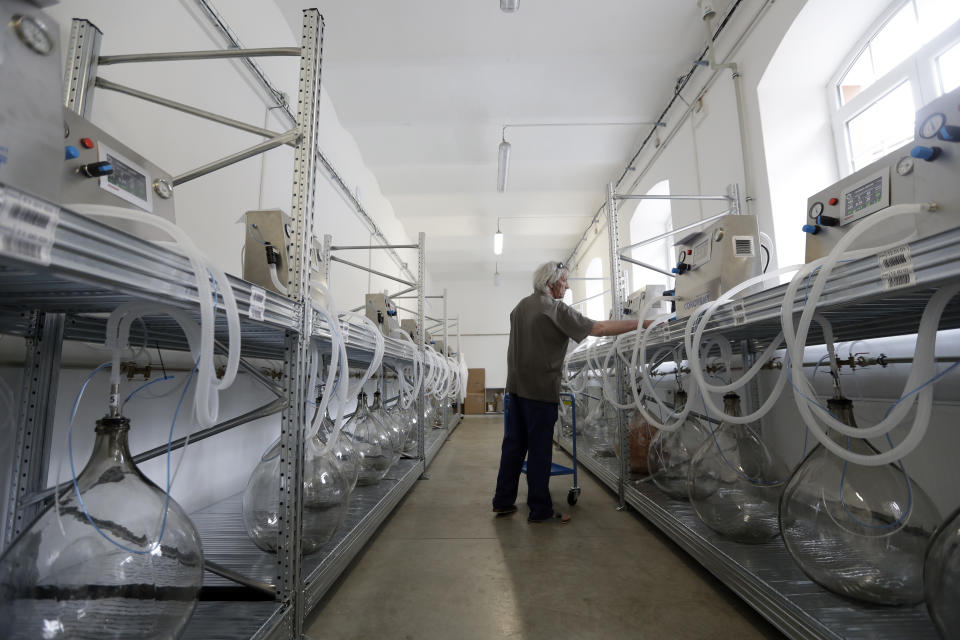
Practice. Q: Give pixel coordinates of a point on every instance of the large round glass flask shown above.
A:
(670, 453)
(409, 416)
(325, 495)
(397, 435)
(373, 442)
(736, 481)
(342, 447)
(941, 577)
(141, 583)
(858, 531)
(601, 431)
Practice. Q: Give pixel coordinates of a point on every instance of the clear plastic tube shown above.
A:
(206, 381)
(921, 369)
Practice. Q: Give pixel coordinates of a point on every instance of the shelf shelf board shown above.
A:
(854, 301)
(765, 575)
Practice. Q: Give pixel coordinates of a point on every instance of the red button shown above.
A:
(86, 143)
(689, 252)
(832, 202)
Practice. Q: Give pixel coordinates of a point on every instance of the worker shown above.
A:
(540, 327)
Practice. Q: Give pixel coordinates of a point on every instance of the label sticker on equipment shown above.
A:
(739, 312)
(27, 227)
(896, 258)
(898, 278)
(258, 301)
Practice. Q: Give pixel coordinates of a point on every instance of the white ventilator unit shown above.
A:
(926, 170)
(265, 255)
(381, 310)
(714, 260)
(636, 300)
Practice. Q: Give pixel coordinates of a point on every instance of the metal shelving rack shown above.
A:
(765, 576)
(93, 268)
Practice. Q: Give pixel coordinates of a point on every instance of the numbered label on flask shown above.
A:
(258, 302)
(27, 227)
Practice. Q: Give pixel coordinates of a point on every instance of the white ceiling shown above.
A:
(425, 87)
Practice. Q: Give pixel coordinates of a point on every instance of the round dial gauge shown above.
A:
(815, 210)
(905, 166)
(932, 125)
(163, 188)
(33, 34)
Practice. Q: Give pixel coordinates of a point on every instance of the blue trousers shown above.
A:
(527, 432)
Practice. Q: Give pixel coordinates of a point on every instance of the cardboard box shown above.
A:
(476, 380)
(474, 404)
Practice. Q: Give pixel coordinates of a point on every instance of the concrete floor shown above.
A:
(444, 567)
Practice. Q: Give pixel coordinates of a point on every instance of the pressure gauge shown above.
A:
(33, 34)
(163, 188)
(905, 166)
(815, 210)
(932, 125)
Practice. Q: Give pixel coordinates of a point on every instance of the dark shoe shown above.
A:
(562, 518)
(505, 511)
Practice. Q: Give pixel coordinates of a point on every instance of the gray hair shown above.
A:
(547, 275)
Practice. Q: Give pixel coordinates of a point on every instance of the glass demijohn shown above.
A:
(670, 453)
(397, 435)
(736, 481)
(941, 577)
(373, 442)
(858, 531)
(325, 497)
(342, 446)
(141, 583)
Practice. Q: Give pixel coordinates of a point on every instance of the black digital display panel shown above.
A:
(862, 197)
(127, 178)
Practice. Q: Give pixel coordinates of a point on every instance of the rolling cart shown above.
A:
(558, 469)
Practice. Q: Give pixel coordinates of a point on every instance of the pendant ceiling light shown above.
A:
(496, 276)
(498, 240)
(503, 165)
(509, 6)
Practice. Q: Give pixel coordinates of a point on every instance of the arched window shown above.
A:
(651, 218)
(594, 289)
(909, 57)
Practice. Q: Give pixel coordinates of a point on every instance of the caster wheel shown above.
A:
(572, 496)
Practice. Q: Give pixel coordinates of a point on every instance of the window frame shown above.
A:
(919, 69)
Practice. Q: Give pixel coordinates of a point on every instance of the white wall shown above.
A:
(208, 208)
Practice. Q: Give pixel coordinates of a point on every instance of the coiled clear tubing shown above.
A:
(126, 565)
(372, 440)
(941, 577)
(671, 452)
(736, 481)
(860, 532)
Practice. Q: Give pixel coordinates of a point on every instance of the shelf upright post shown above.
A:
(297, 351)
(617, 296)
(81, 66)
(446, 347)
(45, 341)
(421, 345)
(35, 415)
